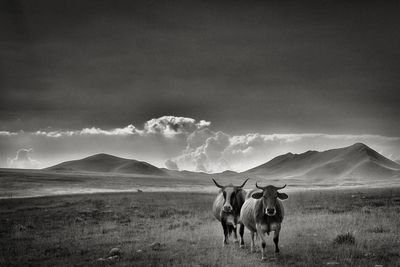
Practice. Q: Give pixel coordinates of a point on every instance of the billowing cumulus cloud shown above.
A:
(198, 137)
(203, 147)
(22, 160)
(170, 164)
(171, 125)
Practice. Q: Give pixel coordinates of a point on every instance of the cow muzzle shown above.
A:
(227, 208)
(270, 211)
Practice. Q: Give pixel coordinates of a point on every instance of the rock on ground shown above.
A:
(114, 252)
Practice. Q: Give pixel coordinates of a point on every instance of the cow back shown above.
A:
(247, 214)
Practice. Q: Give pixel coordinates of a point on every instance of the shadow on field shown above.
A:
(343, 228)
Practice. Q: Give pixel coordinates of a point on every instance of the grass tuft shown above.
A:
(379, 229)
(345, 239)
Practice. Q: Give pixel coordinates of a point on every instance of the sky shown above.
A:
(198, 85)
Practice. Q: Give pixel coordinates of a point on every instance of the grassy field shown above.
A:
(77, 230)
(33, 183)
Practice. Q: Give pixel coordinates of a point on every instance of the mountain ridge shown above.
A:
(358, 162)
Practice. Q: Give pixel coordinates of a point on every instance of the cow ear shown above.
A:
(257, 195)
(282, 196)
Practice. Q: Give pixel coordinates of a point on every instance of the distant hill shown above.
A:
(228, 172)
(354, 164)
(107, 163)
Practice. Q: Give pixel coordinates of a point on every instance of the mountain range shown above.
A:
(354, 164)
(350, 164)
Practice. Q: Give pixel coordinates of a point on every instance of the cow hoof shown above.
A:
(241, 246)
(236, 241)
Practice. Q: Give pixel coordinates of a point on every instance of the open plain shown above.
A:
(348, 227)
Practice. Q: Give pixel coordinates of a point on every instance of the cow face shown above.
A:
(229, 197)
(269, 197)
(229, 192)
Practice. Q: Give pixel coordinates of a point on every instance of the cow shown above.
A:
(226, 209)
(263, 213)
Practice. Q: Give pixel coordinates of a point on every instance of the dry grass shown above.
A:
(77, 230)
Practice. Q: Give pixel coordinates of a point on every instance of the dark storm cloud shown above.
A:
(315, 66)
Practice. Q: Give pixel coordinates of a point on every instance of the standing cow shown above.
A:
(262, 213)
(226, 209)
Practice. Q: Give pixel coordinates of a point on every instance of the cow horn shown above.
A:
(259, 187)
(243, 183)
(218, 185)
(279, 188)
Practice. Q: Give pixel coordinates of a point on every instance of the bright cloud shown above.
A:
(170, 125)
(170, 164)
(7, 133)
(128, 130)
(167, 126)
(22, 160)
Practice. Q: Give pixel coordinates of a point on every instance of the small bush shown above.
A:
(346, 238)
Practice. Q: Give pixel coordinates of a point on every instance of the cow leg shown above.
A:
(276, 241)
(241, 232)
(253, 246)
(263, 253)
(226, 232)
(263, 243)
(235, 234)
